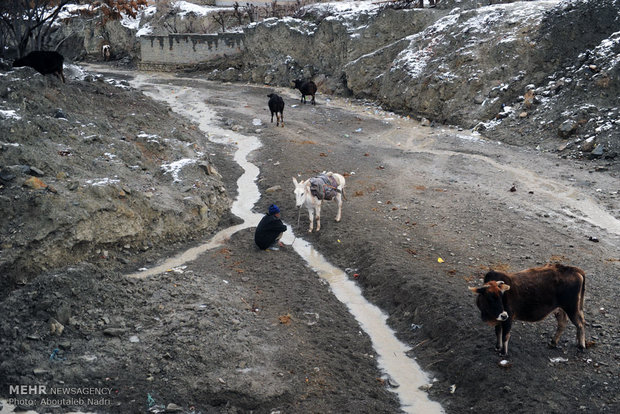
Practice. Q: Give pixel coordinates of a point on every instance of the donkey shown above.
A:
(313, 191)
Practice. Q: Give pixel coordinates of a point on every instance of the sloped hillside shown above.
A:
(92, 170)
(516, 72)
(578, 102)
(538, 73)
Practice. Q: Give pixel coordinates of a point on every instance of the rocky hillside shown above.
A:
(539, 73)
(528, 73)
(543, 74)
(93, 171)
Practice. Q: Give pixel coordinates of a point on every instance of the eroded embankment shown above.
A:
(91, 170)
(537, 73)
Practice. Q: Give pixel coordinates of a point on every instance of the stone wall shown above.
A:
(186, 50)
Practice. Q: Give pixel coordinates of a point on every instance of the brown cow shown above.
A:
(530, 295)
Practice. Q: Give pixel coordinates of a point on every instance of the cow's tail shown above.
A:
(583, 288)
(571, 270)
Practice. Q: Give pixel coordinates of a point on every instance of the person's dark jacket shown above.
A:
(268, 231)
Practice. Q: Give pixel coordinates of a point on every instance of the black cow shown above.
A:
(306, 88)
(44, 62)
(276, 106)
(530, 295)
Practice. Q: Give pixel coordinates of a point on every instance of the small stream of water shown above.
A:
(392, 359)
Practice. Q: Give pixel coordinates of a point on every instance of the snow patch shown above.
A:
(129, 22)
(347, 8)
(175, 168)
(75, 71)
(145, 30)
(9, 113)
(143, 134)
(186, 8)
(98, 182)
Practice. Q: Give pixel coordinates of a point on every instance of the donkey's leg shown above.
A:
(311, 216)
(339, 201)
(317, 208)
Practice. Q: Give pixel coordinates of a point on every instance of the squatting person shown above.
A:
(270, 230)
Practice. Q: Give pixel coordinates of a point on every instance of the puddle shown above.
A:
(392, 353)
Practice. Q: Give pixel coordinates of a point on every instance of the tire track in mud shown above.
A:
(565, 200)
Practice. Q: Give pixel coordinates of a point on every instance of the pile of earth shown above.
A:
(90, 170)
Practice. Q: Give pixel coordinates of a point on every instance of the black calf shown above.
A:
(276, 106)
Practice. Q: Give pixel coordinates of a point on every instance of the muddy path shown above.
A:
(417, 194)
(239, 330)
(401, 372)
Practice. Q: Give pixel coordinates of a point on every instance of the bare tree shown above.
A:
(238, 13)
(81, 27)
(272, 9)
(296, 9)
(27, 24)
(252, 12)
(220, 18)
(29, 20)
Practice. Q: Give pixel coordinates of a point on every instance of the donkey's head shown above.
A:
(300, 192)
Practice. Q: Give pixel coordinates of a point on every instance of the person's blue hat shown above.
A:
(273, 209)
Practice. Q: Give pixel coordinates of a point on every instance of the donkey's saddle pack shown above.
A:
(324, 187)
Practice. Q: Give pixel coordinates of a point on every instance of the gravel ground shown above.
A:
(235, 331)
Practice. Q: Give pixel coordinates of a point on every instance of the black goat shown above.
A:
(306, 88)
(44, 62)
(276, 105)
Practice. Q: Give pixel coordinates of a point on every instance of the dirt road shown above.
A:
(239, 330)
(417, 194)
